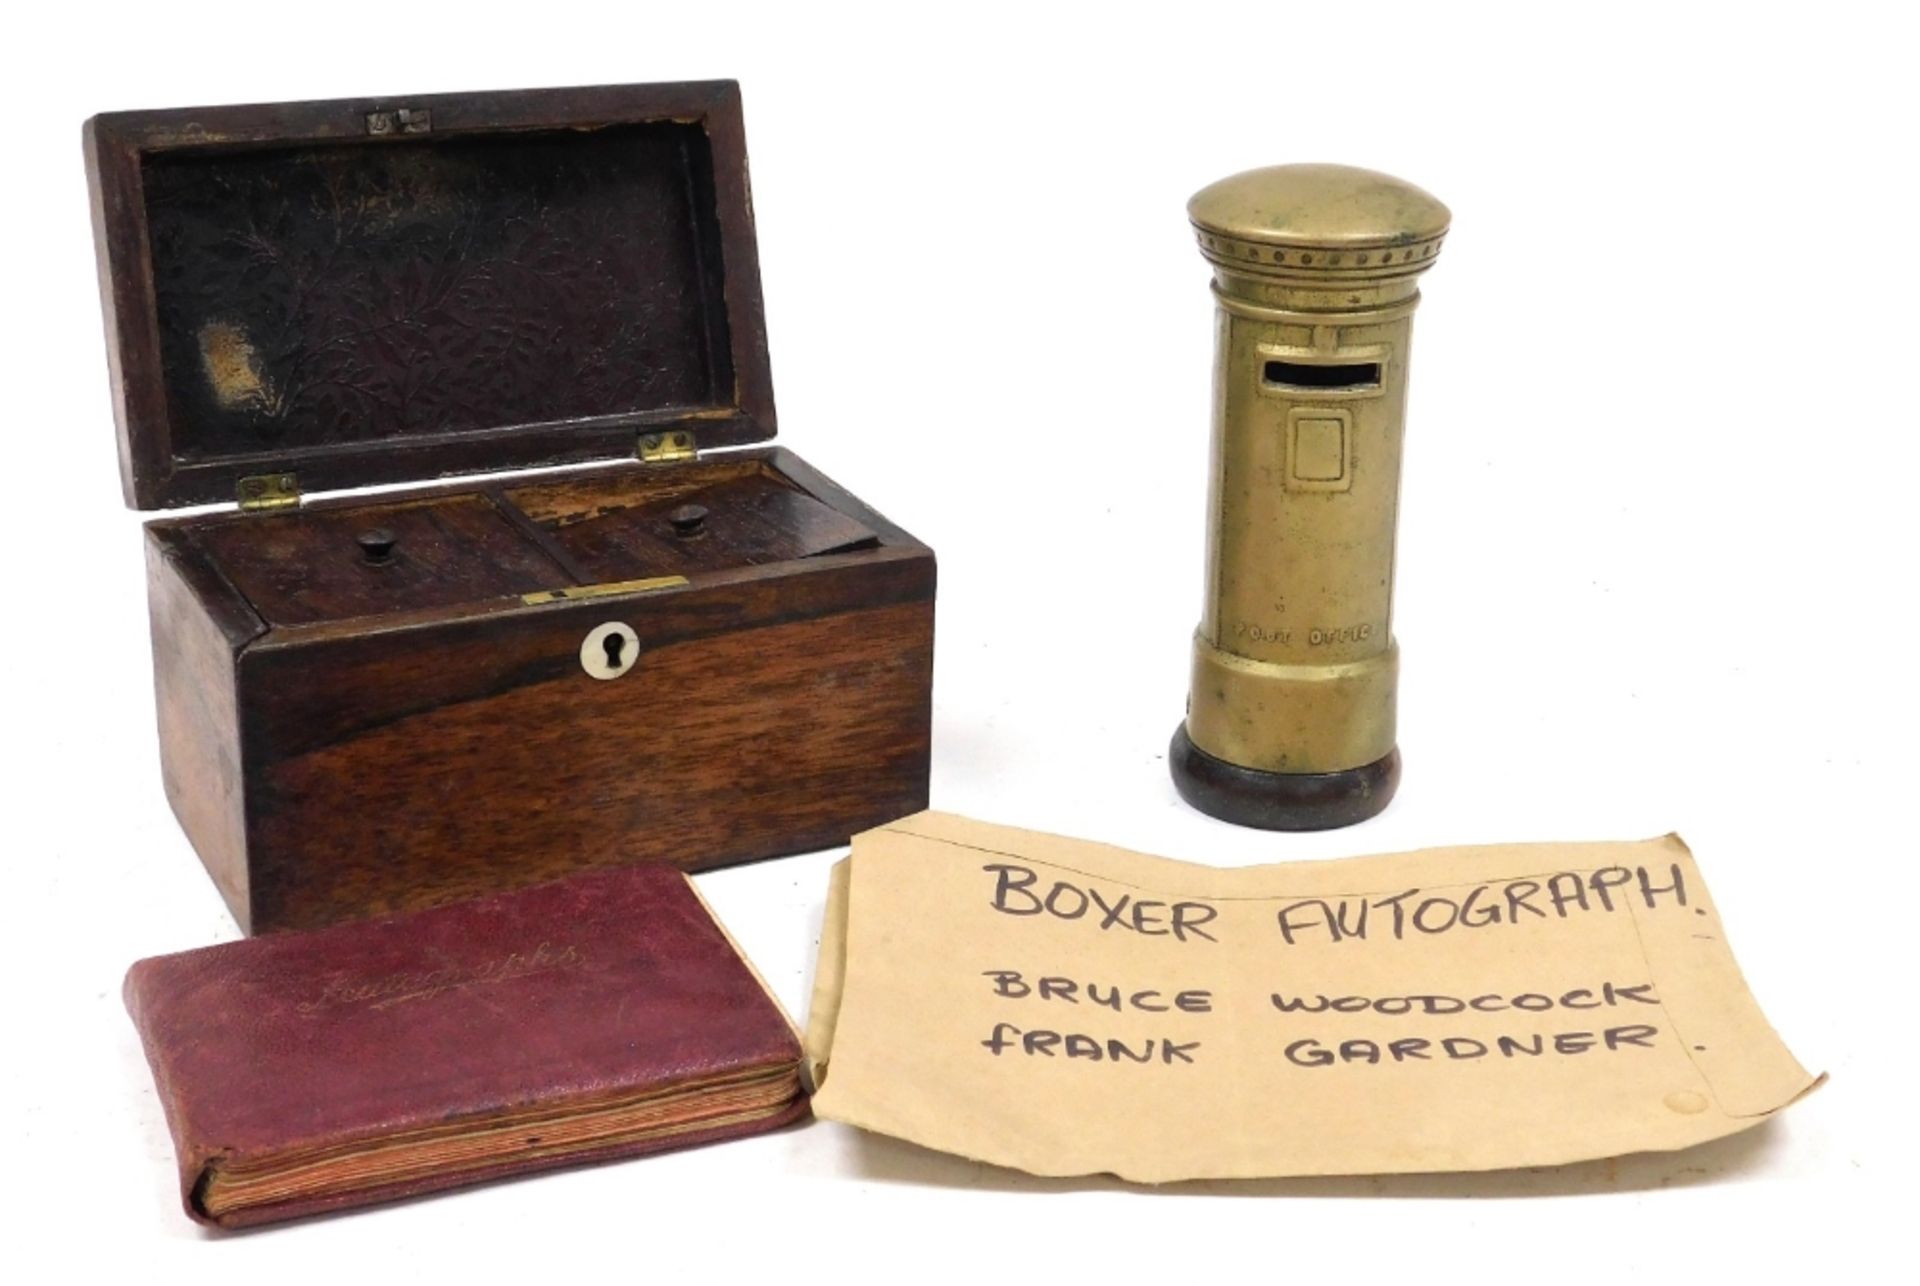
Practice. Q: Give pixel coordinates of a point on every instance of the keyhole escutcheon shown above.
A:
(609, 650)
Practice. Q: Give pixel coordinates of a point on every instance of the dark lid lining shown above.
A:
(359, 308)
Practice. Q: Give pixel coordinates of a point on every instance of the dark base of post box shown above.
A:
(1276, 801)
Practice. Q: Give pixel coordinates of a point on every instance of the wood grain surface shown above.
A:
(348, 747)
(733, 746)
(200, 624)
(364, 291)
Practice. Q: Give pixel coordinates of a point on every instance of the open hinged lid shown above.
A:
(383, 290)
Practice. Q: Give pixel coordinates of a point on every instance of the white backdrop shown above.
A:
(1655, 569)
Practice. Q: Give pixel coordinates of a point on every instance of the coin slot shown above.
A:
(1319, 375)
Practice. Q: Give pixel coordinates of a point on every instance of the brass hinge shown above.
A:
(269, 491)
(661, 448)
(407, 120)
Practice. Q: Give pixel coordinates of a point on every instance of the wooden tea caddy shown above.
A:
(384, 701)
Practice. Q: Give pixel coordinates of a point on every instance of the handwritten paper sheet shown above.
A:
(1069, 1008)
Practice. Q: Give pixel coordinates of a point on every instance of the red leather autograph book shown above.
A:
(602, 1016)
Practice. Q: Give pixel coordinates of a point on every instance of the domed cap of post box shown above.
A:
(1318, 222)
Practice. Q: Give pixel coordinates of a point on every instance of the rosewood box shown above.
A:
(707, 653)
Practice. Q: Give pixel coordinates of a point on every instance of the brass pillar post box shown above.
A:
(1290, 720)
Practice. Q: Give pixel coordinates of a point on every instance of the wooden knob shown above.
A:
(688, 520)
(376, 545)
